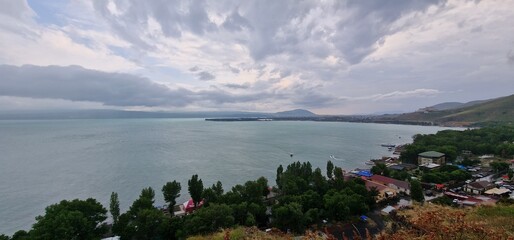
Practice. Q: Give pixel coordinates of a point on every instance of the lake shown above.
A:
(45, 161)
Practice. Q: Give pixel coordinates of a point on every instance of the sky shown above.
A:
(330, 57)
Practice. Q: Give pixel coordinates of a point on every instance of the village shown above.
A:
(488, 180)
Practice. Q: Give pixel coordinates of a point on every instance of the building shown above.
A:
(478, 187)
(383, 190)
(511, 163)
(431, 157)
(398, 185)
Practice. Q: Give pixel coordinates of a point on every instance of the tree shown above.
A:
(171, 191)
(21, 235)
(499, 166)
(76, 219)
(289, 216)
(114, 207)
(280, 170)
(416, 191)
(209, 219)
(330, 169)
(195, 187)
(4, 237)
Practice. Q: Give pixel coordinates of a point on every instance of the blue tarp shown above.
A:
(363, 218)
(364, 173)
(461, 167)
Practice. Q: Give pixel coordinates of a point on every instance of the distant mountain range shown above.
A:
(499, 110)
(452, 105)
(114, 114)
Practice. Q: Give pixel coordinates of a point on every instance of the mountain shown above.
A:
(453, 105)
(115, 114)
(295, 113)
(495, 110)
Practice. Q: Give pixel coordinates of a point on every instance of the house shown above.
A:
(478, 187)
(398, 185)
(383, 190)
(431, 157)
(403, 166)
(511, 163)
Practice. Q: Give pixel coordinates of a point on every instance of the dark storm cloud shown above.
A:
(75, 83)
(78, 84)
(194, 69)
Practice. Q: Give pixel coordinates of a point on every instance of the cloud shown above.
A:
(237, 86)
(205, 76)
(510, 57)
(75, 83)
(293, 53)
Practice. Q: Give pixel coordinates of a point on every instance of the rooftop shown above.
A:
(388, 180)
(431, 154)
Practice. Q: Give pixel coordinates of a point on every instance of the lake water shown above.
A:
(43, 162)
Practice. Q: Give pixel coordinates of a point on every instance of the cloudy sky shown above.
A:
(331, 57)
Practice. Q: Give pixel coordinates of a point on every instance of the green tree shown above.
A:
(76, 219)
(289, 216)
(280, 170)
(499, 166)
(114, 207)
(416, 191)
(330, 169)
(171, 191)
(4, 237)
(209, 219)
(21, 235)
(195, 187)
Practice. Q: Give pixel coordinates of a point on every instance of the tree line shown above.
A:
(498, 140)
(303, 197)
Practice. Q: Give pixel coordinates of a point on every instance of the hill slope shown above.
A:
(497, 110)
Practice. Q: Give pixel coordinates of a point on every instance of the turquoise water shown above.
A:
(43, 162)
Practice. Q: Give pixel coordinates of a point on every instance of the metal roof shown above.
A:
(431, 154)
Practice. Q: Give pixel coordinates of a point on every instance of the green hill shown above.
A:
(500, 110)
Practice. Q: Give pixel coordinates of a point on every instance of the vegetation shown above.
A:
(498, 140)
(438, 222)
(490, 113)
(195, 187)
(76, 219)
(444, 174)
(171, 192)
(304, 197)
(114, 207)
(416, 191)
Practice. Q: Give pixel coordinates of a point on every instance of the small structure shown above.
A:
(431, 157)
(511, 163)
(189, 206)
(387, 210)
(400, 186)
(364, 173)
(497, 191)
(403, 166)
(478, 187)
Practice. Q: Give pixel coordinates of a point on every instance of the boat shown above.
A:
(370, 163)
(390, 148)
(387, 145)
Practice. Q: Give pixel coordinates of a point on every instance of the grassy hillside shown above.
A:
(497, 110)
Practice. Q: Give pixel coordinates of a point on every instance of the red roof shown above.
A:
(370, 184)
(388, 180)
